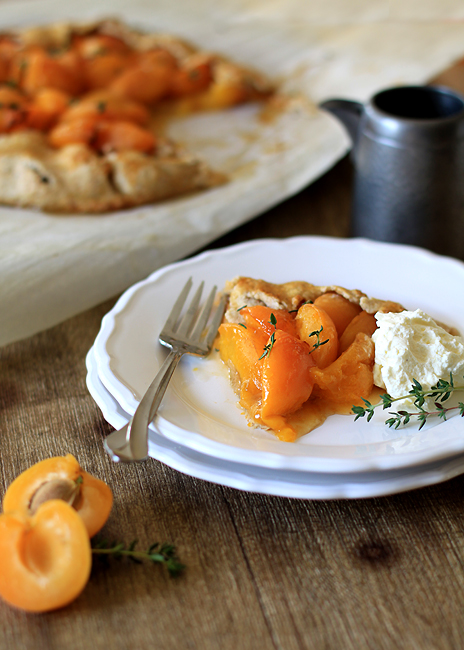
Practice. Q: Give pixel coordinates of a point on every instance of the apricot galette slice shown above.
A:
(297, 352)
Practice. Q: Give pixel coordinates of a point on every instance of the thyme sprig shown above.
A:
(268, 347)
(157, 553)
(441, 392)
(317, 334)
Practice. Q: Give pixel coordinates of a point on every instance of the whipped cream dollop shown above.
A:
(411, 345)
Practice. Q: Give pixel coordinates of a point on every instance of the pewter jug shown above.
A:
(408, 155)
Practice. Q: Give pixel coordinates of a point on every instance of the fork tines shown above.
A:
(192, 323)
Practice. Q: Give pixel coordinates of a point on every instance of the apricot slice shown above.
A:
(12, 98)
(315, 327)
(286, 381)
(259, 316)
(11, 119)
(148, 80)
(123, 136)
(96, 45)
(45, 559)
(80, 130)
(363, 322)
(193, 77)
(41, 70)
(63, 478)
(4, 69)
(340, 310)
(241, 348)
(220, 94)
(46, 108)
(102, 70)
(350, 377)
(102, 104)
(8, 47)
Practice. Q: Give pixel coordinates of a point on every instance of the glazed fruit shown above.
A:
(61, 478)
(294, 368)
(259, 318)
(364, 323)
(349, 378)
(286, 382)
(317, 328)
(340, 309)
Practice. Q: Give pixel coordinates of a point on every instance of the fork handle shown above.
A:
(137, 434)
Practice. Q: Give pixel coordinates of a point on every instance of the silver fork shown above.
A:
(182, 336)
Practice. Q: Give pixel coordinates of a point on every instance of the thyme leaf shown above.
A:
(157, 553)
(441, 392)
(268, 347)
(317, 334)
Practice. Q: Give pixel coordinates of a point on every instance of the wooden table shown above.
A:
(262, 571)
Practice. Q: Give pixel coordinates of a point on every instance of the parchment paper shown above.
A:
(53, 267)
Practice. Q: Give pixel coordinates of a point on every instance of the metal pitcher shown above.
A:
(408, 154)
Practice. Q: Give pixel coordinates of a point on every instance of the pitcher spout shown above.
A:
(348, 112)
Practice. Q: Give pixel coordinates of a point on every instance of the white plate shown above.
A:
(200, 409)
(284, 483)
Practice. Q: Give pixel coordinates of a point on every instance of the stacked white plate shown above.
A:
(201, 431)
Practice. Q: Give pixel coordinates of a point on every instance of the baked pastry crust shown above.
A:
(291, 295)
(77, 179)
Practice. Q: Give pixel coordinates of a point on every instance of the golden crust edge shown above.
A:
(243, 290)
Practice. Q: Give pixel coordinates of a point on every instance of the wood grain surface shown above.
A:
(262, 572)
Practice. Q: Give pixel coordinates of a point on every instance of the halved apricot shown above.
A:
(316, 328)
(363, 322)
(61, 477)
(340, 310)
(45, 560)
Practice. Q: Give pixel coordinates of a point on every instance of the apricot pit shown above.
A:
(61, 478)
